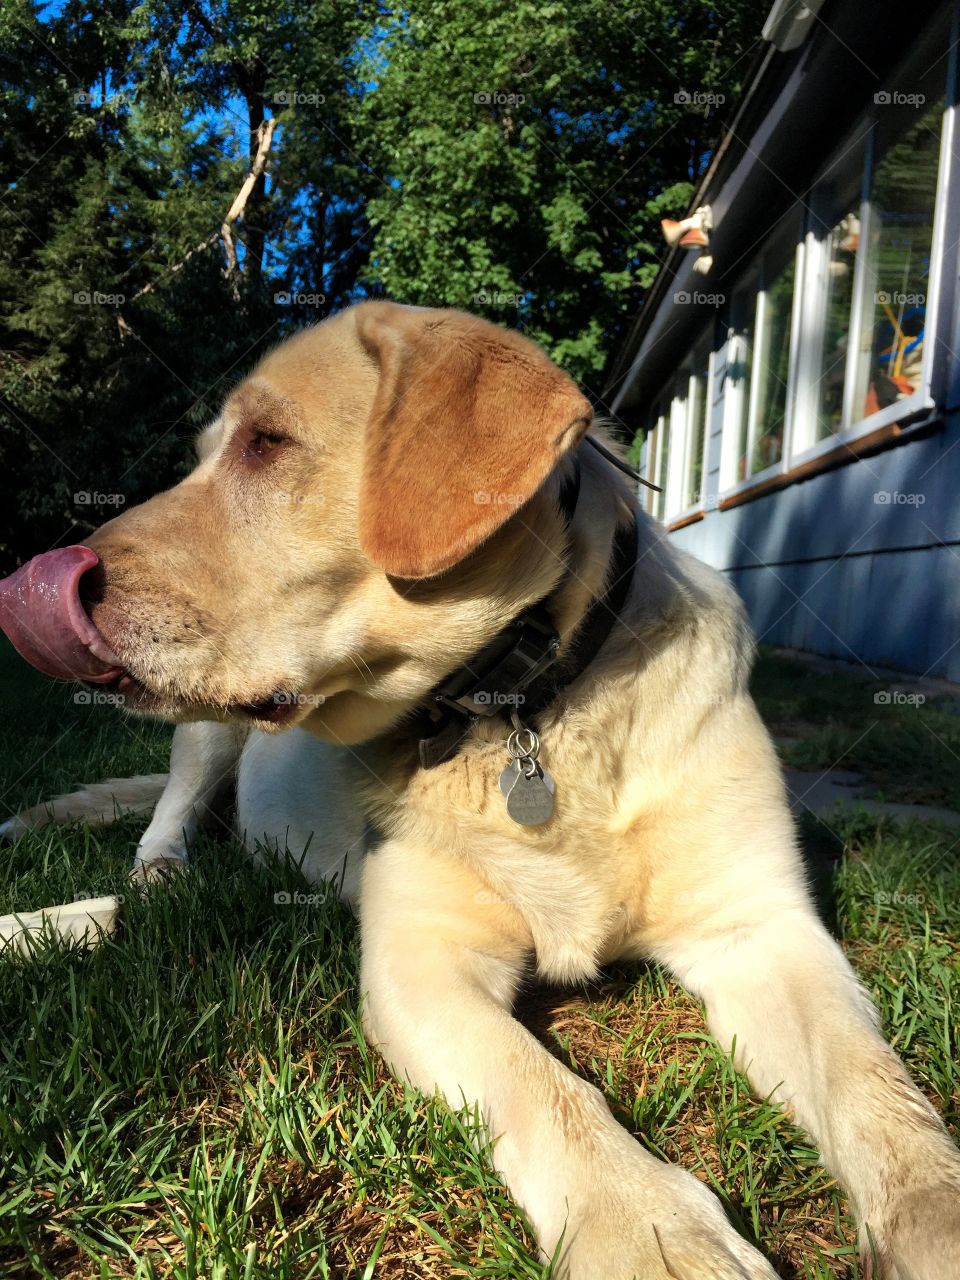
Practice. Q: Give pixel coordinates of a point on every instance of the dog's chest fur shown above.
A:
(566, 879)
(626, 747)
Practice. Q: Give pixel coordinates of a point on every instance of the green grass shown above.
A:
(909, 750)
(194, 1098)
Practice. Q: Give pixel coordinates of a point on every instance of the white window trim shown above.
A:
(653, 457)
(694, 394)
(920, 402)
(678, 419)
(732, 411)
(731, 421)
(698, 504)
(808, 303)
(797, 337)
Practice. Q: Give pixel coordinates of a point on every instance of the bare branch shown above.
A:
(265, 139)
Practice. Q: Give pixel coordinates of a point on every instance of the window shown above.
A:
(738, 379)
(868, 287)
(676, 441)
(759, 350)
(829, 329)
(698, 389)
(653, 470)
(844, 243)
(833, 246)
(774, 310)
(898, 235)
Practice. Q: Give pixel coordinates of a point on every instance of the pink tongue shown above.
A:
(41, 612)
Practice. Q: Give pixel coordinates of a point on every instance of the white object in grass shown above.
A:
(85, 922)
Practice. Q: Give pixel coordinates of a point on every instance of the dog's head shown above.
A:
(359, 520)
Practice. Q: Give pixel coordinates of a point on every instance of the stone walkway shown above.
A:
(821, 791)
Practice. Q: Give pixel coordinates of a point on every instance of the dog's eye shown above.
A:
(259, 443)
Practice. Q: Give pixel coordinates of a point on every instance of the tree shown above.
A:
(140, 260)
(527, 152)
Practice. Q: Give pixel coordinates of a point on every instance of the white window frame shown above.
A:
(734, 407)
(673, 415)
(678, 415)
(806, 328)
(693, 392)
(729, 486)
(919, 402)
(653, 457)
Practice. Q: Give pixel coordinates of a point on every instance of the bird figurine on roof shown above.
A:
(691, 233)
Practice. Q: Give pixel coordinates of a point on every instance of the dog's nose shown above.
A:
(44, 618)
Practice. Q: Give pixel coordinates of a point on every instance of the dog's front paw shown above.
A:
(679, 1232)
(158, 862)
(921, 1241)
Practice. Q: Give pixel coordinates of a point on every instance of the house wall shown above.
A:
(861, 561)
(828, 564)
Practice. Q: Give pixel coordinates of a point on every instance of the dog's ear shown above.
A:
(468, 421)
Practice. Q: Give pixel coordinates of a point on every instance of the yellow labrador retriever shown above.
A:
(401, 546)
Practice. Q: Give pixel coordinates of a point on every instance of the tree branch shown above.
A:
(225, 233)
(265, 137)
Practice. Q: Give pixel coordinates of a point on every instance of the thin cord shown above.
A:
(623, 466)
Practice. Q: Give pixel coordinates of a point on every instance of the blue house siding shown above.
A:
(823, 565)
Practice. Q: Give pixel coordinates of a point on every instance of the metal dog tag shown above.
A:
(508, 777)
(530, 798)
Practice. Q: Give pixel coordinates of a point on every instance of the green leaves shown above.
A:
(529, 154)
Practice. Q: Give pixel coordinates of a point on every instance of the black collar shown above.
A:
(522, 668)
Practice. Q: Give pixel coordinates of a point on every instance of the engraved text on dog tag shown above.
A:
(530, 799)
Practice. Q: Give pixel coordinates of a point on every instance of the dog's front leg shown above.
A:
(203, 762)
(442, 958)
(805, 1032)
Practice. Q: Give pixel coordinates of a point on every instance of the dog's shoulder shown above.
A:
(691, 609)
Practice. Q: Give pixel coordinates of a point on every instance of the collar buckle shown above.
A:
(493, 684)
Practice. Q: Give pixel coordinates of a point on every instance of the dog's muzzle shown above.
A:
(43, 615)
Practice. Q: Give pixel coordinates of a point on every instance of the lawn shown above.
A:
(194, 1098)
